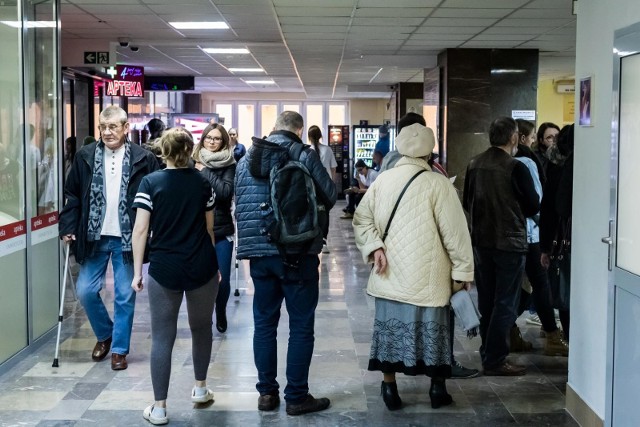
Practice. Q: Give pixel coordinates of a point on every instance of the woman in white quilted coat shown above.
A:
(426, 253)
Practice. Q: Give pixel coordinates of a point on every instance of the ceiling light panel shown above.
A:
(489, 4)
(226, 50)
(210, 25)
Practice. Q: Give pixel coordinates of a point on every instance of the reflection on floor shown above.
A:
(83, 393)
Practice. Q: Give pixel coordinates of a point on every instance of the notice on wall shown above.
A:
(529, 115)
(568, 109)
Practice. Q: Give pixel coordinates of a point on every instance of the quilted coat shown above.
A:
(428, 245)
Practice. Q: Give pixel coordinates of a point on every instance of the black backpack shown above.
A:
(293, 215)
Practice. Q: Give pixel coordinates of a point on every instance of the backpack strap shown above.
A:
(295, 151)
(393, 212)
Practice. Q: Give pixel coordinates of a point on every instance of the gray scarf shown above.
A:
(554, 155)
(98, 200)
(217, 159)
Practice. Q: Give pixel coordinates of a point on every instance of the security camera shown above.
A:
(124, 42)
(134, 48)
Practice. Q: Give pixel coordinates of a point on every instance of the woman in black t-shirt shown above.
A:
(176, 205)
(214, 159)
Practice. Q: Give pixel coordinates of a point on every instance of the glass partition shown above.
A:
(13, 304)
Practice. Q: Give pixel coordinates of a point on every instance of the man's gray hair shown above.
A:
(114, 112)
(289, 120)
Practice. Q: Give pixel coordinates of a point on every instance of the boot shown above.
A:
(516, 342)
(390, 395)
(555, 345)
(438, 393)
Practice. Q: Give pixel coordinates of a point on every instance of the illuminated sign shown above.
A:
(128, 81)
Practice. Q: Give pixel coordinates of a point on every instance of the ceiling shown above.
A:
(329, 49)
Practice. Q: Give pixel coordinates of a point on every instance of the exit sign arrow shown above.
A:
(89, 57)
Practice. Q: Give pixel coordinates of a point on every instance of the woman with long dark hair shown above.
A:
(214, 159)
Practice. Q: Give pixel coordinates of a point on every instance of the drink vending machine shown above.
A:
(339, 142)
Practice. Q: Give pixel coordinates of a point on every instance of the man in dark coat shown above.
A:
(97, 220)
(273, 277)
(499, 195)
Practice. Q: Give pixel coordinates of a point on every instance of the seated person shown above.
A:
(366, 176)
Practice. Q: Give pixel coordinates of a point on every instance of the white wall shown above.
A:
(597, 21)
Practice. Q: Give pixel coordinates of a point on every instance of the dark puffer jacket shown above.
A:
(251, 192)
(222, 181)
(74, 217)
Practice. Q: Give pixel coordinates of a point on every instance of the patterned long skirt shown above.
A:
(411, 340)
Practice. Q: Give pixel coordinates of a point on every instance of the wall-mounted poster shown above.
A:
(586, 86)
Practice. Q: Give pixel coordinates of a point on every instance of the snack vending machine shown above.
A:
(364, 142)
(339, 143)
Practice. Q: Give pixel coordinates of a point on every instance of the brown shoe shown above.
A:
(506, 370)
(118, 362)
(555, 345)
(101, 350)
(518, 344)
(268, 402)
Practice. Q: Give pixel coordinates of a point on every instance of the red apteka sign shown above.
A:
(12, 230)
(43, 221)
(129, 82)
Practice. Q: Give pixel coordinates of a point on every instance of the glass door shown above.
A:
(623, 375)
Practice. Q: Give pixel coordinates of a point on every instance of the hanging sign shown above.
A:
(128, 81)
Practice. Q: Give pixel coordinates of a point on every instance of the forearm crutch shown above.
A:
(64, 286)
(236, 293)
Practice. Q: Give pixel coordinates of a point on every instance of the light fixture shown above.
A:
(211, 25)
(30, 24)
(246, 70)
(260, 82)
(229, 50)
(507, 71)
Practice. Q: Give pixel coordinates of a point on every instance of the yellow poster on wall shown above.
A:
(569, 109)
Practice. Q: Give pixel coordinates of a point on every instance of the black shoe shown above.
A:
(268, 402)
(460, 372)
(221, 321)
(438, 394)
(390, 395)
(310, 404)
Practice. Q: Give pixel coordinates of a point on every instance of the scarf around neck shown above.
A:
(554, 155)
(98, 200)
(217, 159)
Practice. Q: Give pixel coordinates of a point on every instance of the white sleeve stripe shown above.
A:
(144, 195)
(210, 202)
(143, 201)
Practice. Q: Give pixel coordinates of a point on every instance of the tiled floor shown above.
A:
(83, 393)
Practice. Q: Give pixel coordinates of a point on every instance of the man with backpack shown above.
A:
(282, 191)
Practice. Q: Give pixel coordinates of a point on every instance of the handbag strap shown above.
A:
(393, 212)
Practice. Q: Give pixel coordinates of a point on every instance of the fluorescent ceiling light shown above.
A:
(30, 24)
(246, 70)
(199, 25)
(260, 82)
(231, 50)
(507, 71)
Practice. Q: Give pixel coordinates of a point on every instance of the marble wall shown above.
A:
(477, 86)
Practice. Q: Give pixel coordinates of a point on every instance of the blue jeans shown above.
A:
(224, 249)
(92, 270)
(498, 276)
(274, 282)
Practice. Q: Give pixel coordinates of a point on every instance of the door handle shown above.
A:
(609, 241)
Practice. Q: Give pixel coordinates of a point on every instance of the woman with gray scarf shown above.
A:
(214, 159)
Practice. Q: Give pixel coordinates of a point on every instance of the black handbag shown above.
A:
(560, 267)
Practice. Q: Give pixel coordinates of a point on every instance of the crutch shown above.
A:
(64, 286)
(237, 292)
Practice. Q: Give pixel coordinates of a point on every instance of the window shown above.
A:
(225, 114)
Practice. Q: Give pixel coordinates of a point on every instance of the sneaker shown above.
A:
(555, 345)
(268, 402)
(347, 215)
(460, 372)
(155, 419)
(310, 404)
(201, 398)
(325, 249)
(534, 319)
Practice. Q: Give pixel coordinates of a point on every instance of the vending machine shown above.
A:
(339, 143)
(364, 142)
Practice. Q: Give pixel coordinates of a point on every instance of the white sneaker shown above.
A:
(154, 419)
(533, 319)
(201, 398)
(325, 249)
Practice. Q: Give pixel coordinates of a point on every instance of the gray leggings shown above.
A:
(164, 305)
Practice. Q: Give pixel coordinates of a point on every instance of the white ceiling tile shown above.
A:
(439, 37)
(460, 22)
(550, 4)
(471, 13)
(545, 23)
(314, 11)
(487, 4)
(388, 22)
(492, 44)
(399, 3)
(386, 12)
(314, 21)
(310, 3)
(502, 37)
(535, 13)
